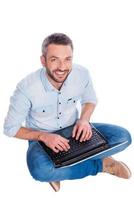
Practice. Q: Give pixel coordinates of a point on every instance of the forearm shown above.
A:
(54, 141)
(86, 111)
(29, 134)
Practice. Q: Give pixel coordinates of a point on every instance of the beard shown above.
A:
(58, 76)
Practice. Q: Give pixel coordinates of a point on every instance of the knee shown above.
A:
(43, 174)
(125, 135)
(39, 166)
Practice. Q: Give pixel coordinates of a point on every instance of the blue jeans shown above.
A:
(42, 168)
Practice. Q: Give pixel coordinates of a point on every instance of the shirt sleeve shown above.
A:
(89, 95)
(18, 111)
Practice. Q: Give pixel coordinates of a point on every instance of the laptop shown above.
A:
(78, 151)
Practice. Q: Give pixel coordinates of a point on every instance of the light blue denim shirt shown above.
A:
(40, 106)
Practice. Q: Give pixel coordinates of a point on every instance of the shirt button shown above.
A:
(59, 92)
(59, 102)
(58, 118)
(60, 126)
(60, 113)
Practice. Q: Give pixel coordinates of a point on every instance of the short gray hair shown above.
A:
(56, 38)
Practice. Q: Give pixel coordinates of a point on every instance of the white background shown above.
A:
(103, 36)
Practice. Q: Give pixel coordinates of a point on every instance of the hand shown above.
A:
(82, 130)
(55, 142)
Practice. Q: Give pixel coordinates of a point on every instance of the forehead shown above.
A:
(59, 50)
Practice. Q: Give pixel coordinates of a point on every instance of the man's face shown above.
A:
(58, 62)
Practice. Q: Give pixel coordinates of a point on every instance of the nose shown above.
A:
(62, 66)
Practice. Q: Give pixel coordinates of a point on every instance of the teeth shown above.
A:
(60, 73)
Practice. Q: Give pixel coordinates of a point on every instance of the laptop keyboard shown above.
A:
(78, 150)
(75, 145)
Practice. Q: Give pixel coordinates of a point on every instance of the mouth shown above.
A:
(61, 74)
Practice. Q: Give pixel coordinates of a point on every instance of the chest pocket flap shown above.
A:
(73, 100)
(44, 111)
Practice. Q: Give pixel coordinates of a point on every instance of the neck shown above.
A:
(54, 83)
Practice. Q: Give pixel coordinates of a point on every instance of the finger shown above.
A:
(78, 133)
(86, 135)
(90, 135)
(55, 150)
(64, 140)
(59, 147)
(84, 132)
(74, 131)
(64, 145)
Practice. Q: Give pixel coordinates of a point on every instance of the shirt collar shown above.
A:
(46, 83)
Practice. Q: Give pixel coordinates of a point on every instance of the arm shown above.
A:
(82, 125)
(82, 129)
(29, 134)
(53, 141)
(20, 106)
(87, 110)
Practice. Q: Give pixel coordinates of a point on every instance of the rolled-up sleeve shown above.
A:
(89, 94)
(18, 111)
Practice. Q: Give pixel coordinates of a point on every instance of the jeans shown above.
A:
(42, 169)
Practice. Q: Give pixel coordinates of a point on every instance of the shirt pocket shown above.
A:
(72, 101)
(45, 112)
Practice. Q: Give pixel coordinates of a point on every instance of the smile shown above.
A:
(60, 73)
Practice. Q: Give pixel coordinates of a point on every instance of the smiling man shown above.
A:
(58, 63)
(46, 101)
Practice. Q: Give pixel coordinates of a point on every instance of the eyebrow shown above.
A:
(58, 57)
(53, 57)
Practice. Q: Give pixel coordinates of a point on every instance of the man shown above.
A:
(46, 101)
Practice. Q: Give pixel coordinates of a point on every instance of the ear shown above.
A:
(43, 60)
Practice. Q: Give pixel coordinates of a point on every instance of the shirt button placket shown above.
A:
(59, 110)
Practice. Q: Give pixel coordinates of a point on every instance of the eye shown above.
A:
(53, 59)
(68, 59)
